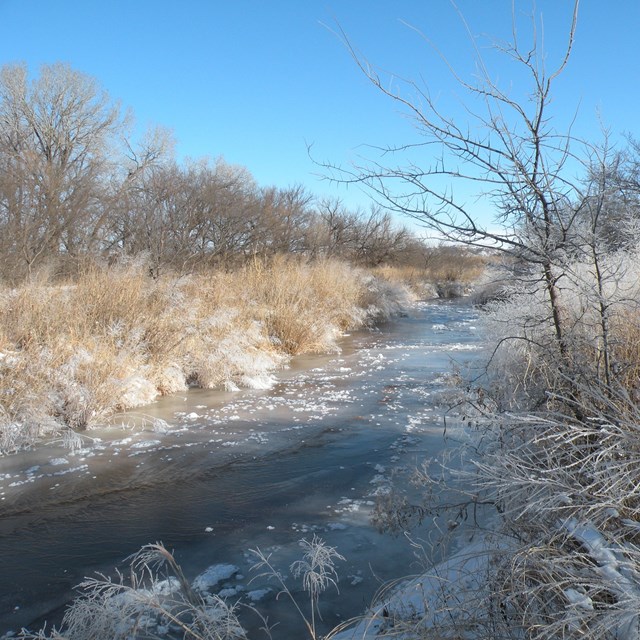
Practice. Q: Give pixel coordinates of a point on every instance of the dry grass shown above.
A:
(625, 329)
(303, 306)
(73, 354)
(447, 272)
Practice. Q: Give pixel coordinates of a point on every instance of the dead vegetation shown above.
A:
(74, 354)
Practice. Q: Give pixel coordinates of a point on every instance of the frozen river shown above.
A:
(214, 474)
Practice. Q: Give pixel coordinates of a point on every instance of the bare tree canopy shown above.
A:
(56, 134)
(506, 153)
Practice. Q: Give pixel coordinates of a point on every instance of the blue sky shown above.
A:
(255, 82)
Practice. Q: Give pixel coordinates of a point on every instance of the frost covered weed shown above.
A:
(72, 355)
(317, 569)
(155, 602)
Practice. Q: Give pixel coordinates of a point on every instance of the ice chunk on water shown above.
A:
(258, 594)
(214, 574)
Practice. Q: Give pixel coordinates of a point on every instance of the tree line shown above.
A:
(75, 186)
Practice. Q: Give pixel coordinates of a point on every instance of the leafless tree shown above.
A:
(368, 238)
(55, 137)
(507, 152)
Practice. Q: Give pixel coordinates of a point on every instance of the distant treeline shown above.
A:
(74, 187)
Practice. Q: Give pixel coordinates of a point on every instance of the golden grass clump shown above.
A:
(73, 354)
(305, 306)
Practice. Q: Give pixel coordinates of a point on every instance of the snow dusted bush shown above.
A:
(568, 496)
(157, 600)
(598, 313)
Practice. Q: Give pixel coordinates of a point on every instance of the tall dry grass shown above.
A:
(305, 306)
(73, 354)
(447, 272)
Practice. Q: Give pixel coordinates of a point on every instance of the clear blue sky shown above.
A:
(256, 81)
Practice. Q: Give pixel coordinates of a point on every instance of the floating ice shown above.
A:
(258, 594)
(214, 574)
(145, 444)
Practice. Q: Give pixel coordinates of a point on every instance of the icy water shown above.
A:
(214, 474)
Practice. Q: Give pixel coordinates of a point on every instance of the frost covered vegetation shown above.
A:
(158, 601)
(75, 354)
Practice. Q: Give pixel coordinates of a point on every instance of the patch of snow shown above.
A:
(137, 391)
(429, 600)
(259, 382)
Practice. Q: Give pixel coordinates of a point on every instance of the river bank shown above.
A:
(73, 356)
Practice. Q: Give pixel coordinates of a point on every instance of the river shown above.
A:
(213, 474)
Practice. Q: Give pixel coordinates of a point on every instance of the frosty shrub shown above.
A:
(567, 492)
(155, 602)
(600, 335)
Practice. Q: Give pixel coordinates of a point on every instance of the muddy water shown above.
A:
(215, 474)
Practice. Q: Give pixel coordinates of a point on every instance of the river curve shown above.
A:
(214, 474)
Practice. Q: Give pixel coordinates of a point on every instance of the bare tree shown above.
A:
(507, 153)
(55, 137)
